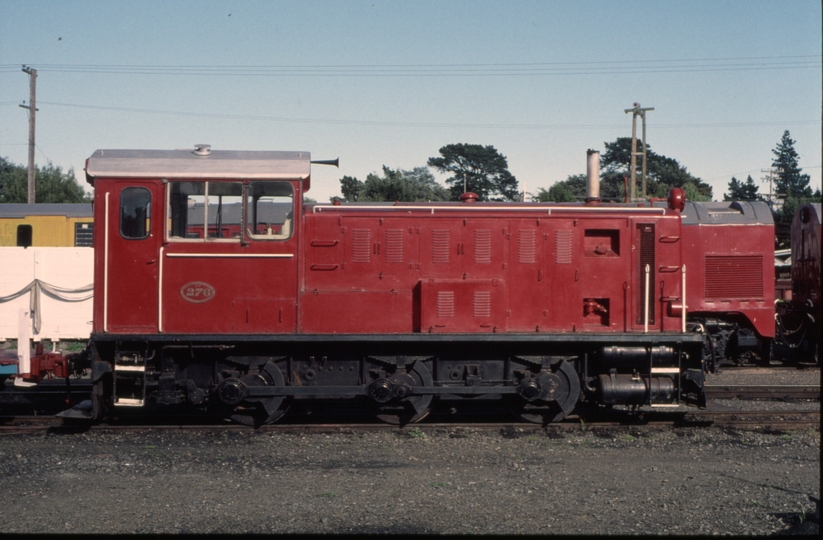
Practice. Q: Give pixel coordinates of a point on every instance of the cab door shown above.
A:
(132, 233)
(229, 263)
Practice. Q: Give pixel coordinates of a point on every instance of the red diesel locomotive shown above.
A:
(540, 305)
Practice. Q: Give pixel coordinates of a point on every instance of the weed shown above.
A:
(755, 503)
(438, 484)
(328, 494)
(415, 433)
(628, 437)
(786, 436)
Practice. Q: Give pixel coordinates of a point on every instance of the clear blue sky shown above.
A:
(381, 82)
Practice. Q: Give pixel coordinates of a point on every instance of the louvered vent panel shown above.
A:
(525, 246)
(482, 246)
(394, 245)
(734, 276)
(440, 246)
(563, 247)
(361, 245)
(482, 308)
(445, 304)
(645, 256)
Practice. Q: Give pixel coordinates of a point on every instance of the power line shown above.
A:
(450, 70)
(419, 124)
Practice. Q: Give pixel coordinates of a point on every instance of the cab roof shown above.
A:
(201, 163)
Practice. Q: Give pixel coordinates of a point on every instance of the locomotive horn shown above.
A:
(335, 162)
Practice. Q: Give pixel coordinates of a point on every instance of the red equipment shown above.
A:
(798, 320)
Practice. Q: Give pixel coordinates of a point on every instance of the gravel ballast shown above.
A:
(413, 480)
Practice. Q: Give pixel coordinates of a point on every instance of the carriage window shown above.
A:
(205, 210)
(24, 234)
(135, 213)
(270, 211)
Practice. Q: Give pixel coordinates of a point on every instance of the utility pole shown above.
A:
(772, 173)
(641, 112)
(32, 109)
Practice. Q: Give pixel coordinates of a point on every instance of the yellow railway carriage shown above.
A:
(46, 225)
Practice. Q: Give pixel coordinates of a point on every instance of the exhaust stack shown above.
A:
(593, 177)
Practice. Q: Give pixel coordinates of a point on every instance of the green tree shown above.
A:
(742, 191)
(416, 185)
(52, 185)
(792, 186)
(351, 188)
(571, 189)
(481, 169)
(662, 173)
(790, 181)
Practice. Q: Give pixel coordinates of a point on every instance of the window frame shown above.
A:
(147, 217)
(245, 236)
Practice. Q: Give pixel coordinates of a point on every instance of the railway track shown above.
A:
(764, 391)
(784, 420)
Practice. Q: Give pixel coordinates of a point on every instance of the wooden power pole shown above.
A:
(641, 112)
(32, 110)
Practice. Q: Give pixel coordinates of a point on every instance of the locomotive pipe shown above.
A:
(593, 177)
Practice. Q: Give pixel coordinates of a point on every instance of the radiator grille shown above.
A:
(440, 246)
(445, 304)
(394, 245)
(525, 246)
(734, 276)
(645, 255)
(482, 308)
(482, 246)
(563, 247)
(361, 245)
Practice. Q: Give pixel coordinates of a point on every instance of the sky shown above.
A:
(380, 82)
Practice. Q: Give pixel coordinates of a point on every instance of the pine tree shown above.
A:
(742, 191)
(790, 183)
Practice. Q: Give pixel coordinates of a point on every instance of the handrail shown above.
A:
(466, 207)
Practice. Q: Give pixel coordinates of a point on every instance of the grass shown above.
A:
(415, 433)
(438, 484)
(328, 494)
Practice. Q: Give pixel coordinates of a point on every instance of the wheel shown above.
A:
(402, 411)
(548, 397)
(252, 411)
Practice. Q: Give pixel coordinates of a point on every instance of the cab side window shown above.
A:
(270, 211)
(135, 213)
(205, 210)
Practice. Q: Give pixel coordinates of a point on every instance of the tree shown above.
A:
(52, 185)
(480, 169)
(568, 190)
(662, 173)
(791, 186)
(740, 191)
(351, 188)
(416, 185)
(790, 182)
